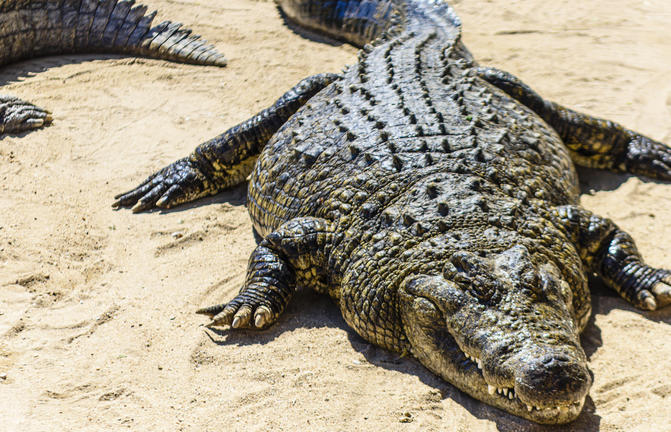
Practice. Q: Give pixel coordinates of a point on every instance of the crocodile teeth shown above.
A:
(491, 389)
(550, 410)
(510, 396)
(474, 359)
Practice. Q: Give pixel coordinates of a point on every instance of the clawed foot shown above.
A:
(239, 313)
(658, 296)
(649, 158)
(175, 184)
(17, 115)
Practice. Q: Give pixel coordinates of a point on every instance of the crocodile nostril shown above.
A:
(555, 359)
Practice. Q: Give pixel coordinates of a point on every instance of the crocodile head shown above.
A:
(501, 328)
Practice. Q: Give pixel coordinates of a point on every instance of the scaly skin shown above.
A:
(592, 142)
(33, 28)
(17, 115)
(223, 161)
(436, 202)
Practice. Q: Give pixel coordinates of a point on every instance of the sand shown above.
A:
(97, 330)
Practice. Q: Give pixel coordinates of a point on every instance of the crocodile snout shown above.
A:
(552, 379)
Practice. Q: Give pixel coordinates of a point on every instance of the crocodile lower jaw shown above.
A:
(508, 398)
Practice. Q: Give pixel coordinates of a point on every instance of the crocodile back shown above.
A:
(415, 158)
(411, 106)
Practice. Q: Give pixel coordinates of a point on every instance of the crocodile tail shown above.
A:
(32, 28)
(356, 21)
(368, 21)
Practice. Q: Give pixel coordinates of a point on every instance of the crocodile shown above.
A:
(33, 28)
(436, 202)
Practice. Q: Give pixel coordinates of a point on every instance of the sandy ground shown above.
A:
(97, 330)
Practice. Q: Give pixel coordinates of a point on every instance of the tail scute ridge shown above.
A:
(129, 25)
(100, 21)
(116, 22)
(30, 28)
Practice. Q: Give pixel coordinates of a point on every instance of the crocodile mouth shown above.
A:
(542, 379)
(508, 399)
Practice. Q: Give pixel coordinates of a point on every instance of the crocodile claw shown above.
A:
(17, 115)
(175, 184)
(662, 292)
(650, 158)
(658, 296)
(238, 316)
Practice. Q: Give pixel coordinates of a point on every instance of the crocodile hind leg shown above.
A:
(293, 255)
(224, 161)
(18, 116)
(593, 142)
(611, 253)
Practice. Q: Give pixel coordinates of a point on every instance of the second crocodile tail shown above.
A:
(33, 28)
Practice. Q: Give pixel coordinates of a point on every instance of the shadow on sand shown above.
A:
(311, 310)
(21, 70)
(594, 180)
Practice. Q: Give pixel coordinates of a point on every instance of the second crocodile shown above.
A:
(435, 201)
(34, 28)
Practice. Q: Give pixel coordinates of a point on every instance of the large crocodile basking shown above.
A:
(435, 200)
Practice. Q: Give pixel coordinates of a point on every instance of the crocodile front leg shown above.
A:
(18, 116)
(611, 253)
(295, 254)
(593, 142)
(221, 162)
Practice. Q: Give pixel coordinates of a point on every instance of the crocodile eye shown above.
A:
(466, 261)
(449, 271)
(474, 274)
(485, 288)
(553, 285)
(531, 279)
